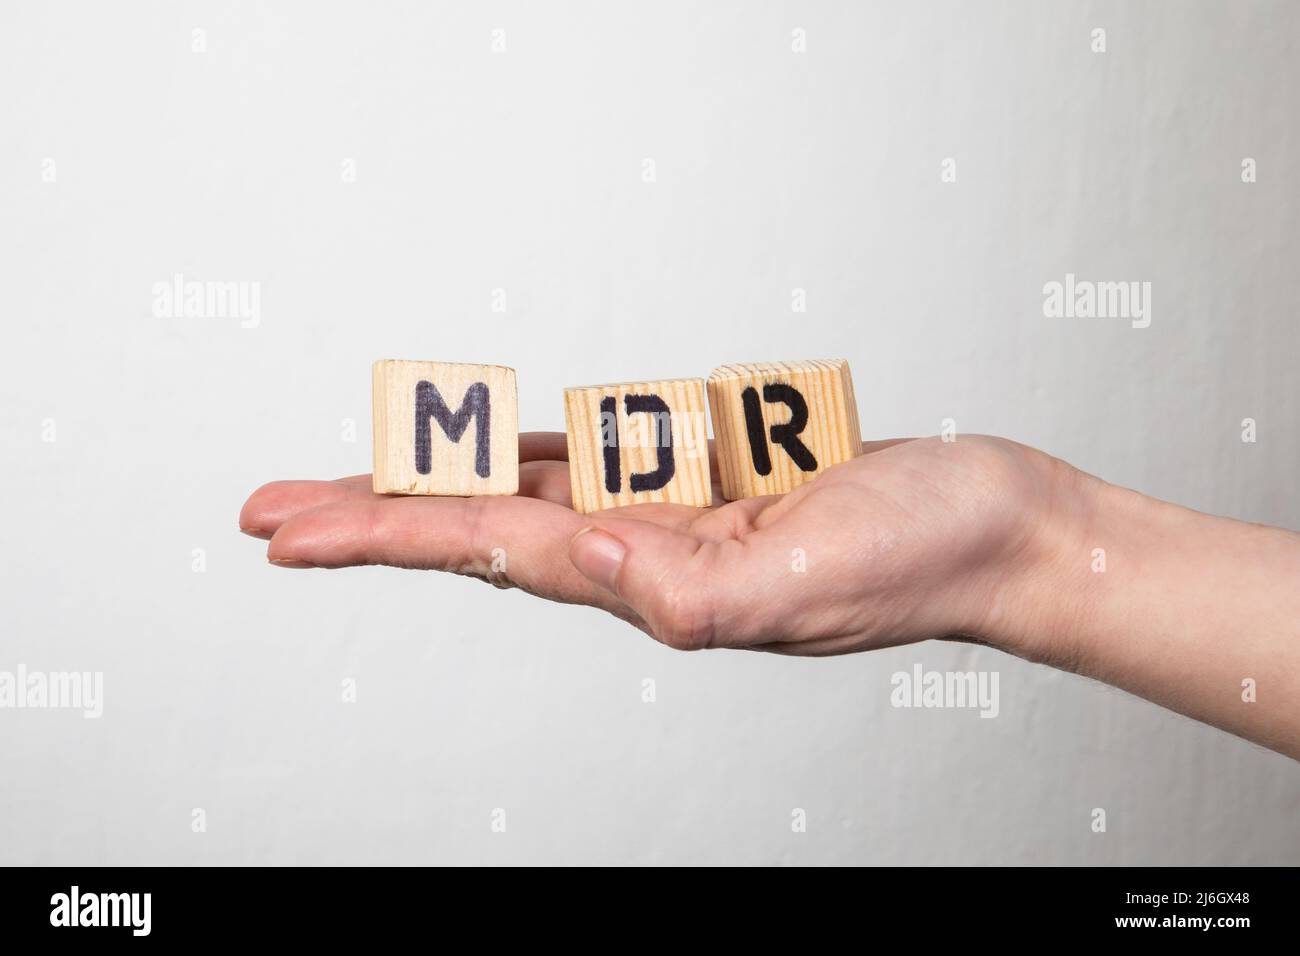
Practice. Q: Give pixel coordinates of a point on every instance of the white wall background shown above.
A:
(522, 170)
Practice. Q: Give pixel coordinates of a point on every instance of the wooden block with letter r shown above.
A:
(638, 442)
(443, 428)
(779, 424)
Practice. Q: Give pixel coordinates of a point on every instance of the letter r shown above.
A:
(786, 435)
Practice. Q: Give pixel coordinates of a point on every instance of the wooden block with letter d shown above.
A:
(443, 428)
(779, 424)
(638, 442)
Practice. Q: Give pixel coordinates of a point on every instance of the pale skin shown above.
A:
(979, 539)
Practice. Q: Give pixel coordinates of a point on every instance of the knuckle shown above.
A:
(472, 558)
(685, 620)
(479, 557)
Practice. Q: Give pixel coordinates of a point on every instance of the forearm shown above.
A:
(1197, 613)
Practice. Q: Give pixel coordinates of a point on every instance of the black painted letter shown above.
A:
(786, 435)
(754, 428)
(475, 405)
(609, 444)
(662, 418)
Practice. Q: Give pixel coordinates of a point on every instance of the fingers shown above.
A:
(547, 480)
(543, 446)
(273, 504)
(442, 534)
(504, 539)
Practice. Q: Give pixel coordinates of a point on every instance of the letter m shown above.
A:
(1115, 297)
(476, 405)
(117, 909)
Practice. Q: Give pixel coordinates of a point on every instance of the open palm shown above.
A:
(910, 541)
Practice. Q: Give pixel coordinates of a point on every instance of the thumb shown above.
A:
(663, 575)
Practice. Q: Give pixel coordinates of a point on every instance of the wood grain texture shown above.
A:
(832, 434)
(429, 420)
(597, 465)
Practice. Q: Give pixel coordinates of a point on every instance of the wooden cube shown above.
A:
(779, 424)
(442, 428)
(638, 442)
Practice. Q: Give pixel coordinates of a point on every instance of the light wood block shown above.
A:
(777, 425)
(442, 428)
(638, 442)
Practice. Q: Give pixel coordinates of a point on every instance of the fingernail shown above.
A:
(254, 532)
(598, 556)
(290, 563)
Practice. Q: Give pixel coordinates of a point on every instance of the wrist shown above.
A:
(1185, 609)
(1043, 592)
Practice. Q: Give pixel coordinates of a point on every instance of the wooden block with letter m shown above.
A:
(443, 428)
(779, 424)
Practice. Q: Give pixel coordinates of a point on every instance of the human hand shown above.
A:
(915, 539)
